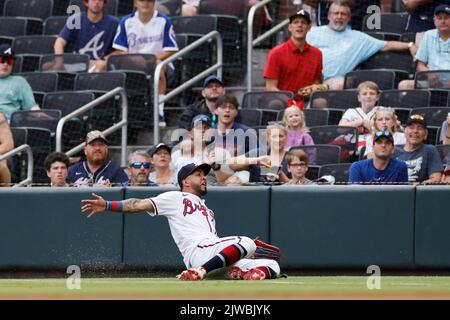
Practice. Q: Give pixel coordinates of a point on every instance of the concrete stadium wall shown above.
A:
(315, 226)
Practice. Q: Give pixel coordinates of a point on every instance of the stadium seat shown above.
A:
(385, 79)
(437, 79)
(53, 25)
(405, 98)
(31, 48)
(433, 115)
(236, 8)
(313, 117)
(41, 81)
(173, 6)
(60, 7)
(47, 119)
(270, 100)
(134, 62)
(67, 62)
(390, 22)
(390, 60)
(39, 97)
(29, 8)
(397, 6)
(13, 26)
(111, 6)
(408, 37)
(339, 99)
(18, 62)
(444, 152)
(251, 117)
(320, 154)
(339, 171)
(343, 136)
(386, 36)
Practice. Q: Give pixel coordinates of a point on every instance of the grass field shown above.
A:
(325, 287)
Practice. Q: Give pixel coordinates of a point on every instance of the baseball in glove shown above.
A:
(266, 251)
(307, 91)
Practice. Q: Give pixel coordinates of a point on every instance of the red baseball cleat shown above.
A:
(192, 274)
(254, 274)
(236, 273)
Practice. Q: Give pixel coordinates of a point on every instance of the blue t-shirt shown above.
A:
(422, 17)
(93, 39)
(342, 51)
(365, 172)
(109, 173)
(434, 51)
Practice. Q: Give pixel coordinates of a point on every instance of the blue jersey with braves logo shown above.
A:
(110, 173)
(93, 39)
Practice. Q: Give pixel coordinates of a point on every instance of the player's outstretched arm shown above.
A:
(99, 205)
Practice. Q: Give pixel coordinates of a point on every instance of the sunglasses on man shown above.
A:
(138, 165)
(7, 60)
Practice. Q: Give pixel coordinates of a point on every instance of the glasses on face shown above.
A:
(138, 165)
(7, 60)
(298, 165)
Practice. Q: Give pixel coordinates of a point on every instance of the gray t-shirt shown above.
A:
(421, 163)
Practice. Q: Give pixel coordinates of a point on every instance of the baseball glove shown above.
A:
(307, 91)
(266, 251)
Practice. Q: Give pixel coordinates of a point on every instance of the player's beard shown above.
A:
(198, 190)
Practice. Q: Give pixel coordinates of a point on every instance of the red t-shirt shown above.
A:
(294, 69)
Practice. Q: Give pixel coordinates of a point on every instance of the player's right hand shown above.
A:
(94, 206)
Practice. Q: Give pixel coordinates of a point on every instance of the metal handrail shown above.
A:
(251, 43)
(29, 180)
(121, 124)
(185, 85)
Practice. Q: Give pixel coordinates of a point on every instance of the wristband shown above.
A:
(114, 206)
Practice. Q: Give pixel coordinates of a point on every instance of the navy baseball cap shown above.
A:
(417, 118)
(442, 8)
(188, 169)
(383, 134)
(6, 51)
(211, 78)
(160, 146)
(302, 14)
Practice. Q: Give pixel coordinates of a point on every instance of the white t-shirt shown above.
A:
(190, 221)
(353, 114)
(154, 37)
(399, 138)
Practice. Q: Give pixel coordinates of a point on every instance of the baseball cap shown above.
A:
(417, 118)
(94, 135)
(160, 146)
(302, 13)
(201, 118)
(211, 78)
(442, 8)
(383, 134)
(6, 51)
(188, 169)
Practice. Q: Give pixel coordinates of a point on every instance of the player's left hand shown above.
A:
(94, 206)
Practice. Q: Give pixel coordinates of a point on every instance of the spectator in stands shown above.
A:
(434, 50)
(266, 163)
(421, 14)
(230, 134)
(93, 36)
(213, 88)
(343, 49)
(445, 131)
(385, 119)
(6, 145)
(294, 121)
(139, 163)
(97, 170)
(295, 64)
(446, 177)
(297, 165)
(163, 175)
(190, 7)
(148, 31)
(423, 160)
(361, 117)
(196, 149)
(15, 92)
(56, 164)
(381, 169)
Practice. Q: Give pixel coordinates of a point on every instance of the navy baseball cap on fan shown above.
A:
(160, 146)
(383, 134)
(302, 14)
(211, 78)
(442, 8)
(417, 118)
(188, 169)
(6, 51)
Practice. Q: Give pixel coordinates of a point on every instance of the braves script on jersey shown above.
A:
(190, 220)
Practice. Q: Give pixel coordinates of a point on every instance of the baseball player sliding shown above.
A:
(193, 229)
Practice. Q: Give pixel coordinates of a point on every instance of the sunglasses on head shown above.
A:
(382, 134)
(202, 119)
(138, 165)
(8, 60)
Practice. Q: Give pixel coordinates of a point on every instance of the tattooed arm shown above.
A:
(99, 205)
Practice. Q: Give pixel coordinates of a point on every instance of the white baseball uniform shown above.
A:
(193, 229)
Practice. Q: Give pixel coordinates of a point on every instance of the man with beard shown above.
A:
(139, 163)
(193, 228)
(343, 48)
(381, 169)
(97, 170)
(213, 88)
